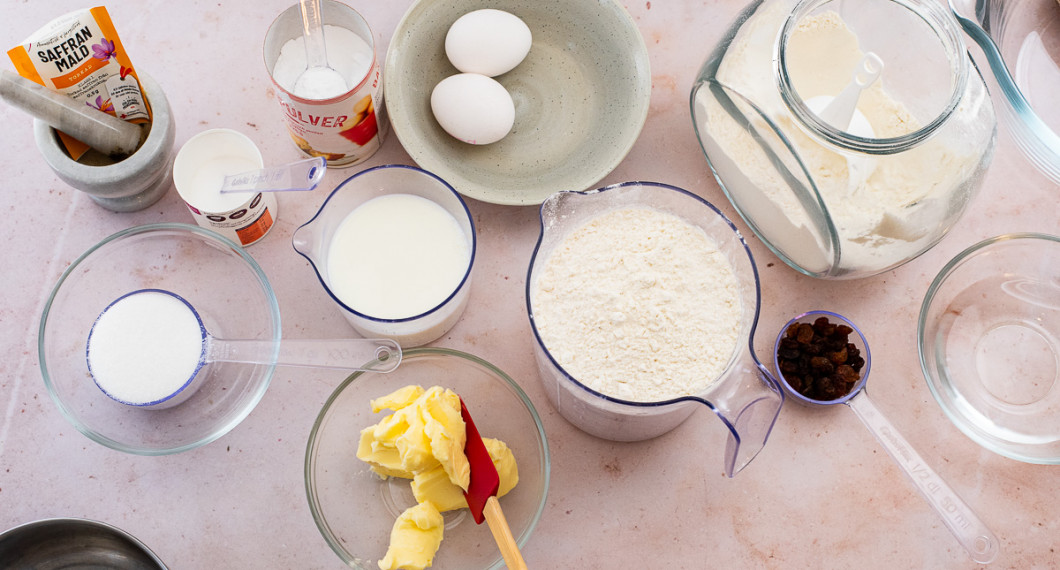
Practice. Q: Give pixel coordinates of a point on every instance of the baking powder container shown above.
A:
(126, 185)
(344, 129)
(200, 169)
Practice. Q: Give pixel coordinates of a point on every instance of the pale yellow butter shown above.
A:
(425, 431)
(423, 440)
(415, 538)
(435, 486)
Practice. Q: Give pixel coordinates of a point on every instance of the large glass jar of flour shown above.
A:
(849, 135)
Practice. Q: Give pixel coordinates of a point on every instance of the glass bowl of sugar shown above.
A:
(231, 296)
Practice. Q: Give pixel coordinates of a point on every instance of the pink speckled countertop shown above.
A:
(822, 493)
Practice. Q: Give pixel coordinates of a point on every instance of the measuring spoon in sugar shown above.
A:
(147, 348)
(962, 521)
(298, 176)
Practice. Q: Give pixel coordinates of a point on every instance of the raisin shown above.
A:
(817, 360)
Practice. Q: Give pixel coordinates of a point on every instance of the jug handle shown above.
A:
(749, 411)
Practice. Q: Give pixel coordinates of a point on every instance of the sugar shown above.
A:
(145, 347)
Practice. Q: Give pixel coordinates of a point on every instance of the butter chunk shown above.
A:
(444, 427)
(382, 459)
(397, 399)
(435, 486)
(414, 539)
(504, 461)
(424, 432)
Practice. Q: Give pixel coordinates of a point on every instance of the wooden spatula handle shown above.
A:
(503, 535)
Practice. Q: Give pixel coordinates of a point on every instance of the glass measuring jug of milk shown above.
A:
(850, 136)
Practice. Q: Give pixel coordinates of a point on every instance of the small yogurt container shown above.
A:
(198, 173)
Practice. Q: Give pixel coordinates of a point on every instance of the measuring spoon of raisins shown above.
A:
(822, 359)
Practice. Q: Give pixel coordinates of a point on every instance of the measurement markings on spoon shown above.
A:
(922, 472)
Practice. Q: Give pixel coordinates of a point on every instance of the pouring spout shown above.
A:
(749, 407)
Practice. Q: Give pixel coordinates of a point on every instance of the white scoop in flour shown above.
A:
(147, 348)
(841, 112)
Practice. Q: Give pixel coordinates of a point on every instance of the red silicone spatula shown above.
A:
(481, 494)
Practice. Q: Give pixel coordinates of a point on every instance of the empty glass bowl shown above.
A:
(227, 288)
(355, 509)
(1020, 42)
(989, 341)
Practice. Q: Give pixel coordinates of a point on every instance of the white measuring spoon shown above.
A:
(842, 113)
(298, 176)
(962, 521)
(319, 80)
(156, 335)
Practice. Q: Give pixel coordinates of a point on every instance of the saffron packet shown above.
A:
(80, 55)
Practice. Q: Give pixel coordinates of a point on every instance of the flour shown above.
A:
(640, 305)
(885, 208)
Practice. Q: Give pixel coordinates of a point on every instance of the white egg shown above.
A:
(473, 108)
(488, 41)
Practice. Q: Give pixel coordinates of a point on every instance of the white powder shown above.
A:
(144, 347)
(348, 54)
(882, 218)
(640, 305)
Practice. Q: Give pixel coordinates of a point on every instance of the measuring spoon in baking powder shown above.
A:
(962, 521)
(298, 176)
(319, 80)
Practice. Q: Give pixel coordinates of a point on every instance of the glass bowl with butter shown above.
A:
(356, 500)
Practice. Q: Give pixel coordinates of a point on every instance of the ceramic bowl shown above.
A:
(581, 97)
(217, 277)
(355, 509)
(74, 543)
(989, 342)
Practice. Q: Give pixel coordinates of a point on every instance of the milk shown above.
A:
(397, 256)
(204, 191)
(145, 348)
(199, 172)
